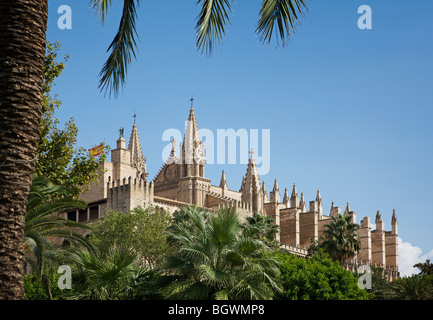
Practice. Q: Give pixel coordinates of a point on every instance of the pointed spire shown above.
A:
(302, 204)
(347, 208)
(265, 192)
(137, 159)
(319, 201)
(286, 197)
(394, 217)
(223, 182)
(294, 199)
(252, 181)
(173, 147)
(394, 223)
(379, 222)
(192, 148)
(294, 191)
(276, 186)
(318, 196)
(378, 216)
(274, 195)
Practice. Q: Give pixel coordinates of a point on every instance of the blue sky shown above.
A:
(349, 110)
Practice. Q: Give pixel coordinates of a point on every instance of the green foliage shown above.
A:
(112, 276)
(340, 239)
(414, 287)
(425, 268)
(217, 259)
(138, 229)
(42, 223)
(380, 286)
(58, 159)
(317, 278)
(35, 289)
(283, 14)
(262, 228)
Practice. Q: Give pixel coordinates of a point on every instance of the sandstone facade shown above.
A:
(181, 180)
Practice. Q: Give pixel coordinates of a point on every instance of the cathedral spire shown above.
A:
(319, 201)
(318, 196)
(274, 195)
(223, 182)
(265, 193)
(378, 216)
(302, 204)
(251, 189)
(348, 208)
(294, 199)
(394, 217)
(193, 147)
(137, 159)
(286, 199)
(394, 223)
(276, 186)
(252, 180)
(294, 191)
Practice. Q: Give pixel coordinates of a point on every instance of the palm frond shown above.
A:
(211, 23)
(101, 6)
(282, 14)
(122, 48)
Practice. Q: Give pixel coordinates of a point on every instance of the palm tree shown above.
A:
(23, 26)
(217, 259)
(263, 228)
(412, 288)
(110, 277)
(43, 224)
(276, 16)
(340, 239)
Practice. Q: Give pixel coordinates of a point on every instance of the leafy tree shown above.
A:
(316, 278)
(276, 16)
(140, 230)
(217, 259)
(43, 226)
(425, 268)
(340, 239)
(58, 158)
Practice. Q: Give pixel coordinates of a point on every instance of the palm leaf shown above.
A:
(282, 14)
(122, 48)
(211, 23)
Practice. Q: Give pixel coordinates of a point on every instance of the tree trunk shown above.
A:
(23, 25)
